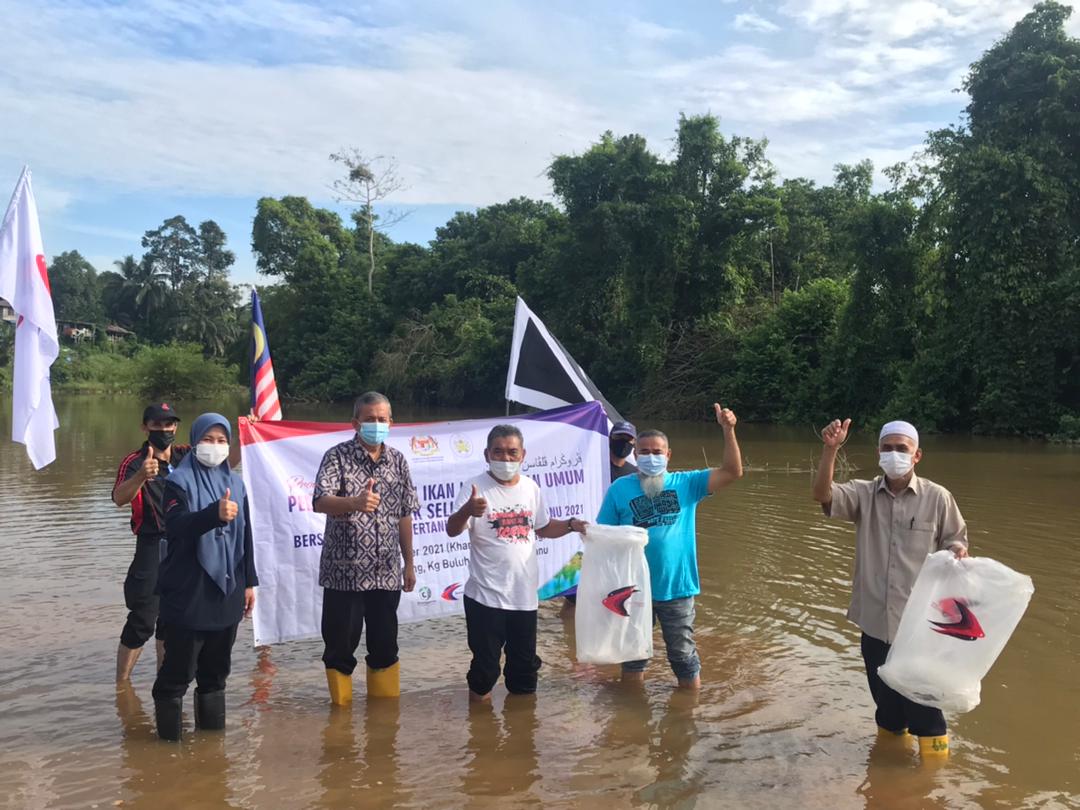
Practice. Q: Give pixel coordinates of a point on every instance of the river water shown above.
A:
(784, 717)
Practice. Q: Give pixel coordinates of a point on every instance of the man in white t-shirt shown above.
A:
(504, 513)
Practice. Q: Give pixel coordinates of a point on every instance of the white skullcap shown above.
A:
(899, 428)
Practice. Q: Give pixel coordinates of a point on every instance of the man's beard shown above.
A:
(652, 485)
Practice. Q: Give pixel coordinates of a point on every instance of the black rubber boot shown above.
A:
(168, 714)
(210, 710)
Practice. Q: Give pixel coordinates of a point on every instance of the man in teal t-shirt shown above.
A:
(665, 503)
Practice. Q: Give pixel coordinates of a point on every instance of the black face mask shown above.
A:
(161, 439)
(622, 447)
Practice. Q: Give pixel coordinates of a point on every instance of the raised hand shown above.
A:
(835, 433)
(226, 508)
(368, 500)
(476, 505)
(725, 417)
(150, 465)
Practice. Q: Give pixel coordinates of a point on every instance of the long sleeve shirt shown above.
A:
(189, 597)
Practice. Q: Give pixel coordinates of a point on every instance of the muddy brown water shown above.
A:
(784, 718)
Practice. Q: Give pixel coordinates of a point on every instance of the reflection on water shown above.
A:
(784, 718)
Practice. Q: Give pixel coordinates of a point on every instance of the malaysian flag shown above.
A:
(264, 397)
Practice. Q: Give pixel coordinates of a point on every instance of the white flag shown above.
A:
(542, 373)
(24, 283)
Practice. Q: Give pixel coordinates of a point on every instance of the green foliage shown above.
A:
(175, 370)
(76, 289)
(1008, 216)
(180, 371)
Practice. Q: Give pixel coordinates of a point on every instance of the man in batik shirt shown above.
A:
(366, 492)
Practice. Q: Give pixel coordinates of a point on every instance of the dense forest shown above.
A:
(951, 297)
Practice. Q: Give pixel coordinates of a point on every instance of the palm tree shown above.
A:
(209, 317)
(149, 287)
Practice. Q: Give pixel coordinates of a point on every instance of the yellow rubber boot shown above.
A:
(340, 686)
(384, 682)
(893, 740)
(934, 747)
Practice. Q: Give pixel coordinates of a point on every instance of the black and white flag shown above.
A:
(542, 373)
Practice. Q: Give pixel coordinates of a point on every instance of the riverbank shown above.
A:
(181, 371)
(173, 371)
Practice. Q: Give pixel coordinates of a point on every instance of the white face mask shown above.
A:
(211, 455)
(504, 470)
(895, 465)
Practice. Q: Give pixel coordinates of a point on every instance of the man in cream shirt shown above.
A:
(899, 518)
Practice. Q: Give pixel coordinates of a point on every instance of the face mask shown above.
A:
(161, 439)
(211, 455)
(373, 433)
(504, 470)
(895, 465)
(621, 448)
(652, 463)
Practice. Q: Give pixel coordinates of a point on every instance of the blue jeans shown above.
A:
(676, 619)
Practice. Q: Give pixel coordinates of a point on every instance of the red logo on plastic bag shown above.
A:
(616, 600)
(962, 625)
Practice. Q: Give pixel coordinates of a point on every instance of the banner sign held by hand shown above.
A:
(566, 455)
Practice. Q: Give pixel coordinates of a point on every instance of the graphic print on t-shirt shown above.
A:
(663, 510)
(512, 525)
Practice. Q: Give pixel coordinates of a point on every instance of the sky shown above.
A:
(131, 112)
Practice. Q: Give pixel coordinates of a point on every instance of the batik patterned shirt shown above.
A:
(361, 550)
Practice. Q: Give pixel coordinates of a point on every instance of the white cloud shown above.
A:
(249, 98)
(753, 22)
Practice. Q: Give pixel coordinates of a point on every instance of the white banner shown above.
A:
(566, 454)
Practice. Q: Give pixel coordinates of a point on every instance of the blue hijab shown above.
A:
(220, 550)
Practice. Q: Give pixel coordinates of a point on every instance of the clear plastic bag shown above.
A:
(956, 622)
(613, 617)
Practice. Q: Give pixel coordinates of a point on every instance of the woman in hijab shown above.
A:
(207, 578)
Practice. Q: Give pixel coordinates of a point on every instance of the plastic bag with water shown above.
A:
(613, 619)
(955, 624)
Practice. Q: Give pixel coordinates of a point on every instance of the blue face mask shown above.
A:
(373, 433)
(652, 463)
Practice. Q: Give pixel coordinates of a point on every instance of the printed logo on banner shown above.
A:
(425, 448)
(460, 446)
(424, 593)
(452, 592)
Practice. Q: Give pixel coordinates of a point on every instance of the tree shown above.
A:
(215, 258)
(76, 289)
(368, 181)
(323, 323)
(175, 251)
(1006, 197)
(208, 315)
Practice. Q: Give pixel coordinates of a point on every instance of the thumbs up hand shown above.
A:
(150, 465)
(368, 500)
(227, 509)
(476, 504)
(725, 417)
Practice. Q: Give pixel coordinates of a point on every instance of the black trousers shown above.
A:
(203, 656)
(344, 614)
(489, 631)
(139, 596)
(894, 711)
